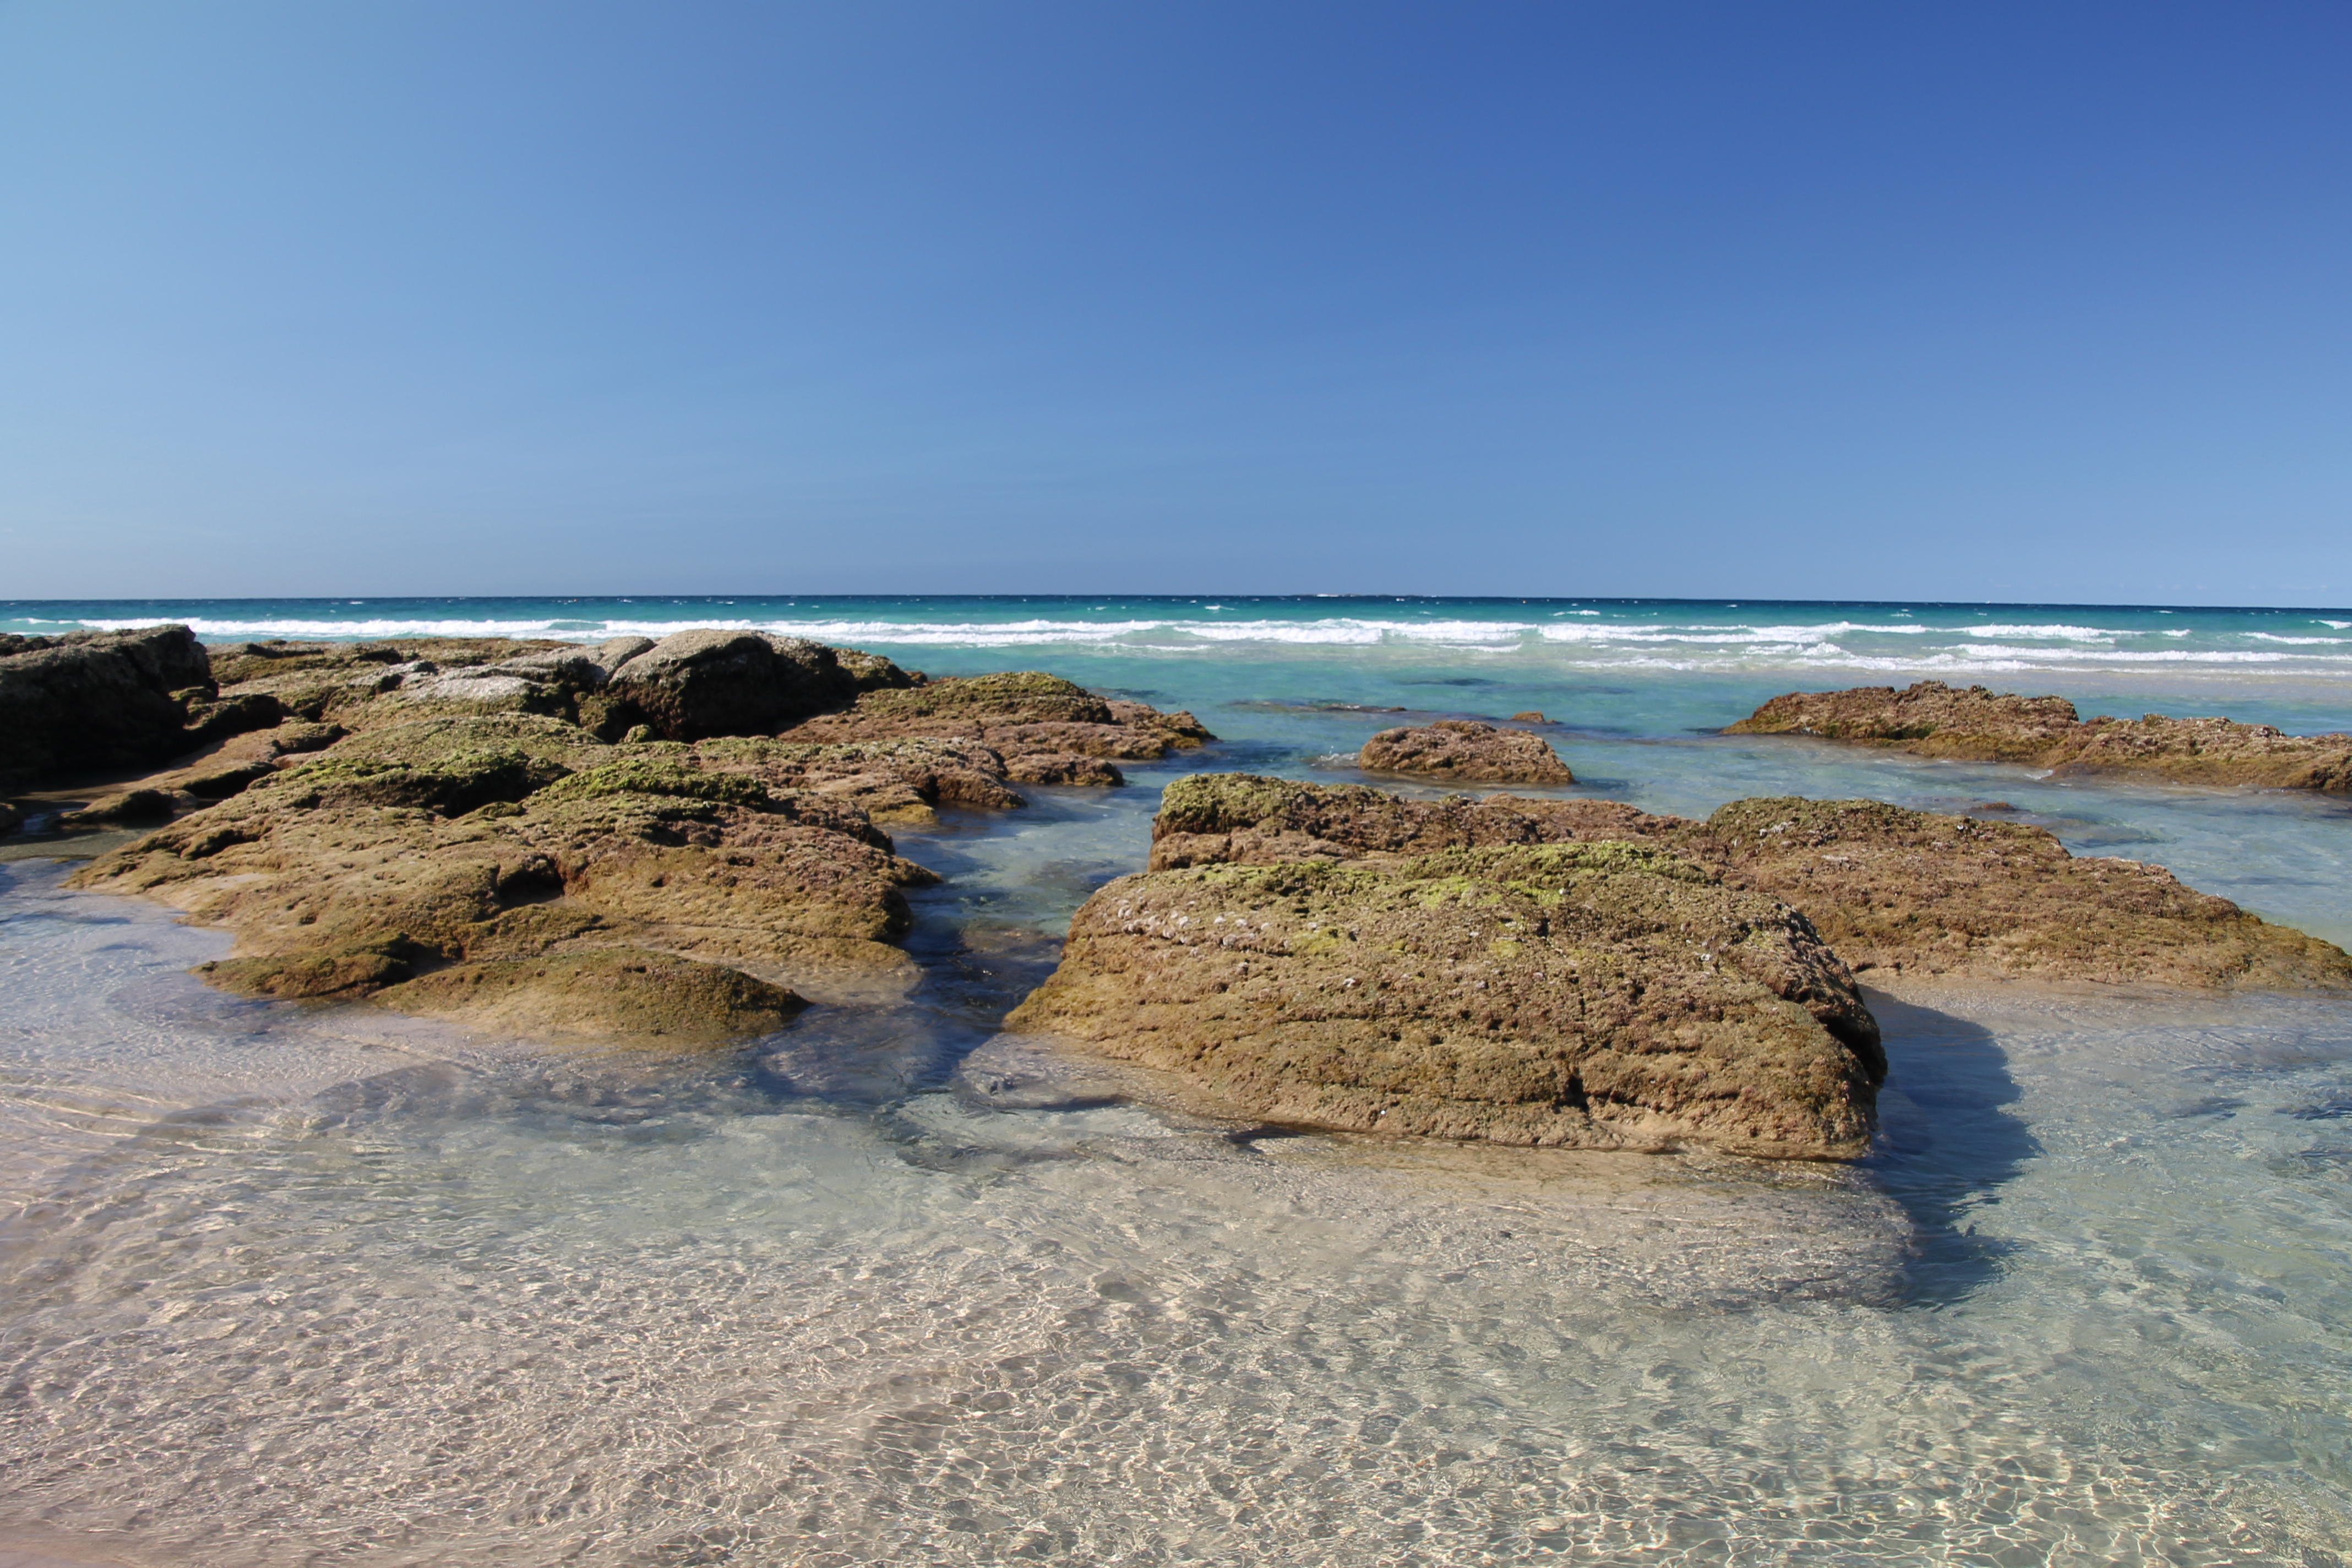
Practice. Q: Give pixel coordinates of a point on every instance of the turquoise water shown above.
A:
(289, 1285)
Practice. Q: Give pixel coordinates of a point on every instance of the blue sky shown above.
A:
(1997, 300)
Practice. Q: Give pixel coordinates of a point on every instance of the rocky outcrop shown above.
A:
(1606, 994)
(454, 859)
(1583, 973)
(449, 840)
(1892, 889)
(1931, 719)
(1464, 751)
(1919, 893)
(94, 701)
(697, 684)
(392, 681)
(1041, 724)
(707, 685)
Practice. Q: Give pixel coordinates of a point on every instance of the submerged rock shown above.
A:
(1598, 995)
(1467, 750)
(1976, 724)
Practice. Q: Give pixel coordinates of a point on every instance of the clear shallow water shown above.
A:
(280, 1285)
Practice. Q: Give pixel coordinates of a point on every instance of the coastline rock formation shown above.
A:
(1584, 972)
(1933, 719)
(1467, 751)
(1023, 715)
(89, 702)
(1890, 889)
(1600, 996)
(449, 827)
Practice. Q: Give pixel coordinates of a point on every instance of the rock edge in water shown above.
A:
(1889, 887)
(1464, 751)
(1584, 972)
(1977, 724)
(449, 827)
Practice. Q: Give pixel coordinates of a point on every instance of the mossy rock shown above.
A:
(1015, 697)
(616, 994)
(425, 742)
(341, 973)
(659, 776)
(1601, 995)
(452, 784)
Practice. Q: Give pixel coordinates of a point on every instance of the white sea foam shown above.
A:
(1656, 644)
(2070, 633)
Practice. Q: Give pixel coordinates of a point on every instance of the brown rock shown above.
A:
(1598, 995)
(90, 701)
(1467, 750)
(1905, 891)
(617, 994)
(1934, 720)
(1924, 893)
(695, 684)
(410, 848)
(896, 780)
(1530, 717)
(131, 806)
(1061, 768)
(1245, 819)
(1018, 714)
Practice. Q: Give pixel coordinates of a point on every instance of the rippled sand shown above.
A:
(284, 1286)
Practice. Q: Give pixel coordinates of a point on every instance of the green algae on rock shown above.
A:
(1022, 714)
(1606, 996)
(90, 700)
(1976, 724)
(441, 810)
(1467, 751)
(1924, 892)
(1891, 888)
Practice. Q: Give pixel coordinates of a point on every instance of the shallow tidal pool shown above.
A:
(286, 1285)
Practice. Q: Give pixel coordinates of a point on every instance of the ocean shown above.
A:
(289, 1285)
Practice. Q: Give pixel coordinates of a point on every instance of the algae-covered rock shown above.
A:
(453, 784)
(1465, 751)
(1925, 893)
(1892, 889)
(1021, 713)
(901, 780)
(1249, 819)
(1975, 724)
(447, 840)
(437, 809)
(699, 683)
(128, 807)
(342, 973)
(622, 996)
(1601, 996)
(94, 701)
